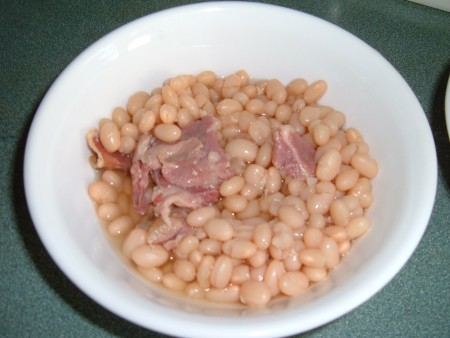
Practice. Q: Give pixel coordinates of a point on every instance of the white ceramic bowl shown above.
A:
(266, 41)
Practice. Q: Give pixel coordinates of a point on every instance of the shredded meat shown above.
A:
(102, 159)
(185, 174)
(291, 154)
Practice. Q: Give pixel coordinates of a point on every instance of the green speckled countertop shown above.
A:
(40, 38)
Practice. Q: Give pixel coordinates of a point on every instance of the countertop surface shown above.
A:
(40, 38)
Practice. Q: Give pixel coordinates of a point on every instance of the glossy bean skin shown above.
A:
(196, 257)
(347, 179)
(137, 101)
(273, 180)
(194, 290)
(184, 269)
(358, 226)
(240, 274)
(340, 213)
(259, 258)
(315, 275)
(312, 237)
(199, 217)
(254, 293)
(314, 91)
(319, 203)
(282, 239)
(292, 262)
(228, 107)
(353, 135)
(235, 203)
(330, 249)
(313, 258)
(221, 272)
(120, 226)
(242, 148)
(131, 130)
(297, 87)
(108, 211)
(251, 210)
(155, 101)
(167, 132)
(170, 96)
(245, 120)
(366, 165)
(206, 77)
(112, 178)
(264, 155)
(255, 175)
(173, 282)
(187, 245)
(152, 274)
(283, 113)
(251, 192)
(120, 116)
(262, 236)
(308, 115)
(232, 186)
(150, 255)
(209, 246)
(328, 165)
(291, 216)
(204, 271)
(276, 91)
(168, 113)
(190, 104)
(321, 134)
(240, 248)
(231, 86)
(339, 234)
(272, 275)
(147, 122)
(136, 238)
(219, 229)
(101, 192)
(110, 136)
(259, 131)
(255, 106)
(293, 283)
(127, 145)
(228, 294)
(184, 117)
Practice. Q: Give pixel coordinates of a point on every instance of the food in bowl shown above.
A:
(231, 189)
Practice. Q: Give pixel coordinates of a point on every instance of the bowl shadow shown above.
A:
(439, 127)
(47, 268)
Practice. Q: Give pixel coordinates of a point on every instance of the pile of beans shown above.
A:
(269, 235)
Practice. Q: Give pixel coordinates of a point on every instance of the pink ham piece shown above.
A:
(169, 235)
(186, 173)
(102, 159)
(292, 155)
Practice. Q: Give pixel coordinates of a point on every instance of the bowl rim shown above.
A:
(259, 323)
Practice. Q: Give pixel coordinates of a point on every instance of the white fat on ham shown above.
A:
(292, 155)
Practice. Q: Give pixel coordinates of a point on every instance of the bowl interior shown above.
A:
(226, 37)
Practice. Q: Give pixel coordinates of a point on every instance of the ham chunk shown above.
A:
(169, 235)
(186, 173)
(292, 155)
(102, 159)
